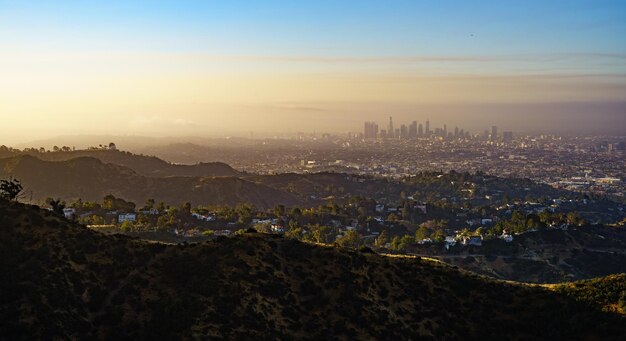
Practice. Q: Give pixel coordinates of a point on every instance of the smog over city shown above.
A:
(353, 170)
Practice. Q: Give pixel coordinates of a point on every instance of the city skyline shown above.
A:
(415, 130)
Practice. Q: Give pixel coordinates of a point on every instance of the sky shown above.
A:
(214, 68)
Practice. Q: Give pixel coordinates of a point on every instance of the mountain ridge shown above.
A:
(91, 179)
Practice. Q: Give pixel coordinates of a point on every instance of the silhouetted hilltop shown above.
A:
(144, 165)
(64, 281)
(91, 179)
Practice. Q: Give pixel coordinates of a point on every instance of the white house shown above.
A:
(209, 217)
(127, 217)
(69, 213)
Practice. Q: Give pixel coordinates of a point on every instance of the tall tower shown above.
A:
(494, 133)
(390, 131)
(413, 130)
(427, 128)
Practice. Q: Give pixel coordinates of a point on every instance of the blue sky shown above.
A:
(345, 28)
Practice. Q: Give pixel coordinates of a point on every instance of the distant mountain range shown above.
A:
(92, 174)
(91, 179)
(63, 281)
(143, 165)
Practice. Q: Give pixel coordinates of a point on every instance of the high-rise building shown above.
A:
(494, 133)
(390, 129)
(371, 130)
(420, 130)
(404, 132)
(427, 128)
(445, 131)
(413, 130)
(456, 132)
(507, 136)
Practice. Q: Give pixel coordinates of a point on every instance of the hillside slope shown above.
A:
(90, 179)
(143, 165)
(64, 281)
(548, 256)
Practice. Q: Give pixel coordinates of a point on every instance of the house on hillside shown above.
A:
(277, 229)
(472, 241)
(132, 217)
(69, 212)
(449, 242)
(506, 237)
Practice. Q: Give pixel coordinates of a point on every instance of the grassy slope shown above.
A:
(62, 280)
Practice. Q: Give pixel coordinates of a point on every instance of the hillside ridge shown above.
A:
(70, 282)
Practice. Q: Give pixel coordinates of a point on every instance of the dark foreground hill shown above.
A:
(63, 281)
(90, 179)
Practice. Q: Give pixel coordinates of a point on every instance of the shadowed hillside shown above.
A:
(548, 256)
(144, 165)
(69, 282)
(90, 179)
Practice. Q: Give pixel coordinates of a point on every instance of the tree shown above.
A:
(162, 222)
(438, 236)
(127, 226)
(186, 208)
(321, 234)
(294, 233)
(263, 227)
(395, 243)
(382, 239)
(78, 204)
(533, 221)
(57, 205)
(405, 242)
(422, 233)
(621, 303)
(350, 239)
(10, 189)
(108, 202)
(97, 220)
(363, 213)
(574, 218)
(406, 212)
(296, 212)
(392, 217)
(279, 210)
(142, 220)
(149, 205)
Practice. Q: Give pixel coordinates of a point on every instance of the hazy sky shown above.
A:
(217, 67)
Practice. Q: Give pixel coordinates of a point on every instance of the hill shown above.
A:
(547, 256)
(65, 281)
(91, 179)
(144, 165)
